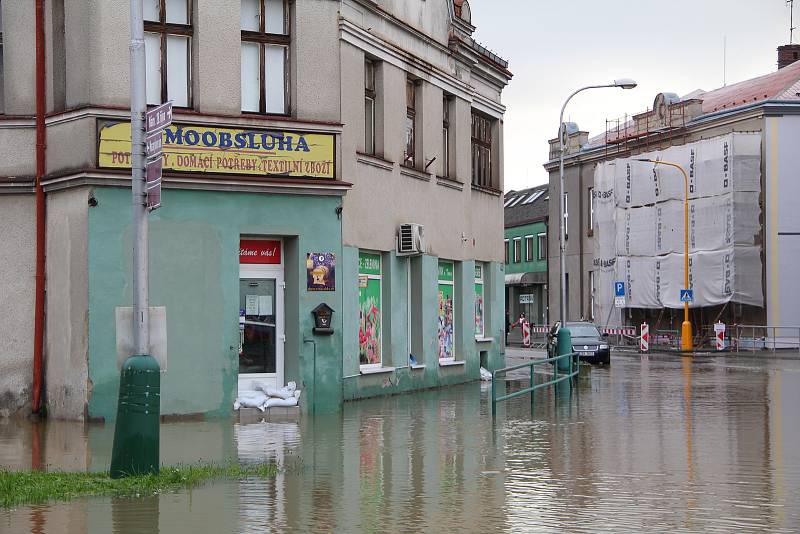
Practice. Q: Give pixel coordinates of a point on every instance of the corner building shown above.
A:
(305, 134)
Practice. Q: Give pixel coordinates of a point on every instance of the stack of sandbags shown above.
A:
(265, 396)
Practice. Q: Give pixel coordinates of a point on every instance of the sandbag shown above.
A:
(274, 403)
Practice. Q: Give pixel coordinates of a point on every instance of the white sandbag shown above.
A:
(282, 393)
(274, 403)
(486, 376)
(252, 399)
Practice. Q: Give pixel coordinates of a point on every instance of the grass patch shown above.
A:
(36, 487)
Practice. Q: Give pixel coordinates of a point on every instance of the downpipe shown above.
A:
(41, 146)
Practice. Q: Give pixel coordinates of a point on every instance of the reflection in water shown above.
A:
(657, 444)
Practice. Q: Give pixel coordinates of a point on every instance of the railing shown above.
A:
(573, 371)
(764, 337)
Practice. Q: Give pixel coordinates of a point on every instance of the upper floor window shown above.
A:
(505, 246)
(542, 246)
(446, 104)
(265, 50)
(369, 106)
(591, 208)
(409, 159)
(481, 150)
(517, 249)
(528, 248)
(168, 48)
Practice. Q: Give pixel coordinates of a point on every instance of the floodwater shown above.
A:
(653, 444)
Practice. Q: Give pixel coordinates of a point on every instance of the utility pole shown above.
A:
(792, 27)
(141, 320)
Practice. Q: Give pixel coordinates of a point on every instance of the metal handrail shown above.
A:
(573, 371)
(786, 342)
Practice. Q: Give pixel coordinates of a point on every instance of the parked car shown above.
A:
(589, 343)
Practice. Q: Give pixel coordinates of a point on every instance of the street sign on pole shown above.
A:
(154, 168)
(687, 295)
(619, 289)
(153, 145)
(619, 302)
(159, 117)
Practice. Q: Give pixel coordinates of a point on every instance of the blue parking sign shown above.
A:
(687, 295)
(619, 289)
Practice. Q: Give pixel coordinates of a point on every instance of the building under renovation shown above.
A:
(625, 217)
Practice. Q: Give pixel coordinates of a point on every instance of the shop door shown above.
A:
(261, 328)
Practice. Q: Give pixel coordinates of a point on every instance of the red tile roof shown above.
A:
(775, 85)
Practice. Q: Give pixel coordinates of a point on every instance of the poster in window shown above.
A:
(479, 309)
(369, 309)
(321, 271)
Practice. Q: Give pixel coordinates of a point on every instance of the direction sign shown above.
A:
(153, 172)
(619, 302)
(159, 117)
(619, 289)
(153, 145)
(687, 295)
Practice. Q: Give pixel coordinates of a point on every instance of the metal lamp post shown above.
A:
(623, 83)
(686, 327)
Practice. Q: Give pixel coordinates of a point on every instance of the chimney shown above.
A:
(788, 54)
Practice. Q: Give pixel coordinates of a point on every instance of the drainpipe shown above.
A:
(41, 143)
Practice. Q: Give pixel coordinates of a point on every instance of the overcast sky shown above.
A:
(557, 46)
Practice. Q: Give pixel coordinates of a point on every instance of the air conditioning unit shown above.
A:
(410, 239)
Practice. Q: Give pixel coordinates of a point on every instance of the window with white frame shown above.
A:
(517, 249)
(479, 301)
(265, 51)
(369, 106)
(168, 50)
(591, 207)
(447, 311)
(528, 248)
(505, 247)
(409, 159)
(370, 318)
(542, 246)
(446, 104)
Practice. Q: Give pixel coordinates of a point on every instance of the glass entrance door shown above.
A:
(260, 331)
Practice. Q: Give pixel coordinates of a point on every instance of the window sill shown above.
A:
(376, 370)
(488, 190)
(450, 363)
(418, 366)
(413, 173)
(374, 161)
(449, 182)
(483, 339)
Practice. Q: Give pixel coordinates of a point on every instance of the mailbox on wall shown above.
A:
(323, 320)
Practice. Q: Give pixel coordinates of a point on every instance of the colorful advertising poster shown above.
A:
(227, 151)
(446, 314)
(369, 308)
(321, 271)
(479, 328)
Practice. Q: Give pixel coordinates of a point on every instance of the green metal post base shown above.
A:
(564, 346)
(136, 435)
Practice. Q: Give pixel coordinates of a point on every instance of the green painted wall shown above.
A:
(525, 266)
(194, 266)
(424, 317)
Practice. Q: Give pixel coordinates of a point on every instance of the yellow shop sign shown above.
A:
(227, 151)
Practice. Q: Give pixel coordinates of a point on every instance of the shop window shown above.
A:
(528, 248)
(482, 150)
(505, 247)
(168, 49)
(370, 323)
(479, 302)
(409, 158)
(517, 249)
(369, 106)
(542, 252)
(446, 315)
(265, 50)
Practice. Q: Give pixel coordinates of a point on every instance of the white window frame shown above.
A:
(541, 237)
(507, 255)
(370, 96)
(266, 40)
(517, 250)
(479, 281)
(372, 366)
(591, 208)
(529, 248)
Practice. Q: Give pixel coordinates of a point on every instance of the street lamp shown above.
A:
(622, 83)
(686, 327)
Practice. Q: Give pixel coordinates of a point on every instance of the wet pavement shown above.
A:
(653, 443)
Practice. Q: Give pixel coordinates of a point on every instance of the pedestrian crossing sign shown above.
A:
(687, 295)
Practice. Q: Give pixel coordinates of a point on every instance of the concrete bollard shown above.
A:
(136, 434)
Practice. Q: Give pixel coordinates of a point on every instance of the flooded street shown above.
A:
(655, 444)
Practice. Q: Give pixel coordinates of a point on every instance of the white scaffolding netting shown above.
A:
(639, 226)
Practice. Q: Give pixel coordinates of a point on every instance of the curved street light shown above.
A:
(686, 327)
(622, 83)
